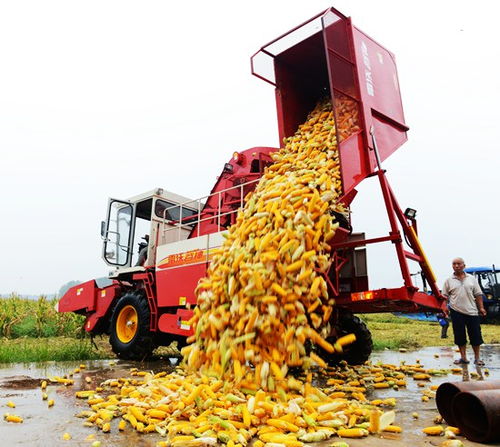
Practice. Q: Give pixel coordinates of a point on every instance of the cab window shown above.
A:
(171, 211)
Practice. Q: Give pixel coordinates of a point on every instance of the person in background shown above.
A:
(444, 323)
(465, 301)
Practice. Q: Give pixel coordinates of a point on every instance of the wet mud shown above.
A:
(45, 426)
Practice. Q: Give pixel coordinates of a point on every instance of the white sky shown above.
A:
(113, 98)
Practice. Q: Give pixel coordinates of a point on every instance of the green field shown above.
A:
(389, 331)
(31, 330)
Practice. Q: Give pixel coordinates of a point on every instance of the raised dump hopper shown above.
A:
(328, 56)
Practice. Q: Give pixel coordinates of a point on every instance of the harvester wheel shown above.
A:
(130, 337)
(355, 353)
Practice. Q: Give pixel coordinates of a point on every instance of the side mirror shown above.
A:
(103, 228)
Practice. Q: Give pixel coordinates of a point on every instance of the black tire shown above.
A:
(138, 343)
(356, 353)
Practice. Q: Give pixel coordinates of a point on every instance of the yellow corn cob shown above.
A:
(452, 443)
(13, 418)
(421, 376)
(280, 438)
(346, 340)
(297, 265)
(393, 429)
(278, 289)
(139, 416)
(374, 421)
(157, 414)
(284, 425)
(238, 373)
(454, 430)
(352, 433)
(84, 394)
(435, 430)
(316, 358)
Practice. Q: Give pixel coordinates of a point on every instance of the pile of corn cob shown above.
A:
(196, 409)
(192, 410)
(265, 296)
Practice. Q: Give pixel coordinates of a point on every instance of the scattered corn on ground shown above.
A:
(195, 409)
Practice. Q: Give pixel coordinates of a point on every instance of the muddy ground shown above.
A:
(45, 427)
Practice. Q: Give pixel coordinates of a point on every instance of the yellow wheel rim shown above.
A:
(126, 324)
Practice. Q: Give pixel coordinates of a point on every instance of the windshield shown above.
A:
(487, 280)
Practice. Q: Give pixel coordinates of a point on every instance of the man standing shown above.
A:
(465, 301)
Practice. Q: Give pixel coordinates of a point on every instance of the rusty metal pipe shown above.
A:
(478, 414)
(448, 390)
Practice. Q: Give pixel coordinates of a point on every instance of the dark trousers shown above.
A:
(460, 323)
(444, 329)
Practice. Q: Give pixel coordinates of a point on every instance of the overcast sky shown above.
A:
(114, 98)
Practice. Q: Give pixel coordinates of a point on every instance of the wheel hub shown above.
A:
(126, 324)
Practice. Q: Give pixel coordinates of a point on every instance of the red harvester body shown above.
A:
(150, 304)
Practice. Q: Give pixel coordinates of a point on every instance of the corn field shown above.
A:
(21, 317)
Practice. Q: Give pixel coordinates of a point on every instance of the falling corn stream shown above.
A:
(265, 296)
(263, 301)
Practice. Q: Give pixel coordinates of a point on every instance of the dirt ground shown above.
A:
(45, 427)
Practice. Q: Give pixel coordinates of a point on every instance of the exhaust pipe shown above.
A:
(448, 390)
(477, 414)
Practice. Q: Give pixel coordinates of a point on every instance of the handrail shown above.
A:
(179, 225)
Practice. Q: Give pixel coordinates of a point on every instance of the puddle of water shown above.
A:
(43, 426)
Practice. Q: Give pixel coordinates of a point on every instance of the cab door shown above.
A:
(117, 232)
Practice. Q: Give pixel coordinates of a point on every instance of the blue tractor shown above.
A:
(487, 277)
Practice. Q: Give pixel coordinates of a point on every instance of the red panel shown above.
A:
(353, 165)
(79, 297)
(176, 323)
(389, 137)
(88, 297)
(104, 300)
(379, 88)
(403, 299)
(171, 284)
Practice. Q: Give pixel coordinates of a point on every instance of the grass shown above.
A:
(391, 332)
(32, 331)
(52, 348)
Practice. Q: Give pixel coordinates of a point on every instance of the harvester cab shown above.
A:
(135, 227)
